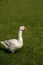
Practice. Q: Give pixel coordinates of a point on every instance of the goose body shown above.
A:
(13, 44)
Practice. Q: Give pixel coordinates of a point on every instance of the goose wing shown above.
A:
(10, 42)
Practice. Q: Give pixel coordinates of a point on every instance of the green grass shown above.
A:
(13, 14)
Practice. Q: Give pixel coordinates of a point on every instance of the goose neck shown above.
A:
(20, 34)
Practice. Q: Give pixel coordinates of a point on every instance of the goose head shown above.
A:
(22, 28)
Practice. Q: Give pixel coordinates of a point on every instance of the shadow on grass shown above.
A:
(30, 57)
(4, 50)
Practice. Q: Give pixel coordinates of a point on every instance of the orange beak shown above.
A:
(25, 28)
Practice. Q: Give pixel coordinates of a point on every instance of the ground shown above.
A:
(13, 14)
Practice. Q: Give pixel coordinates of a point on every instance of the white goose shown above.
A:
(14, 44)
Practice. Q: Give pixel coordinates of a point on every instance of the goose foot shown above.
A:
(12, 51)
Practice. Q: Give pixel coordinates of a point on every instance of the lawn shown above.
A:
(13, 14)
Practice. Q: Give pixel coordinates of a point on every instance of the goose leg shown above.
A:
(13, 51)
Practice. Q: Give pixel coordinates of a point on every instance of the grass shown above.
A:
(14, 13)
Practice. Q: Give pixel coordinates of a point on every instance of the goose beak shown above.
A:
(25, 28)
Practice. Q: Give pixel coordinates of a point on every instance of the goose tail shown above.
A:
(3, 43)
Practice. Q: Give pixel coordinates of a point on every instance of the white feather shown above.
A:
(14, 44)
